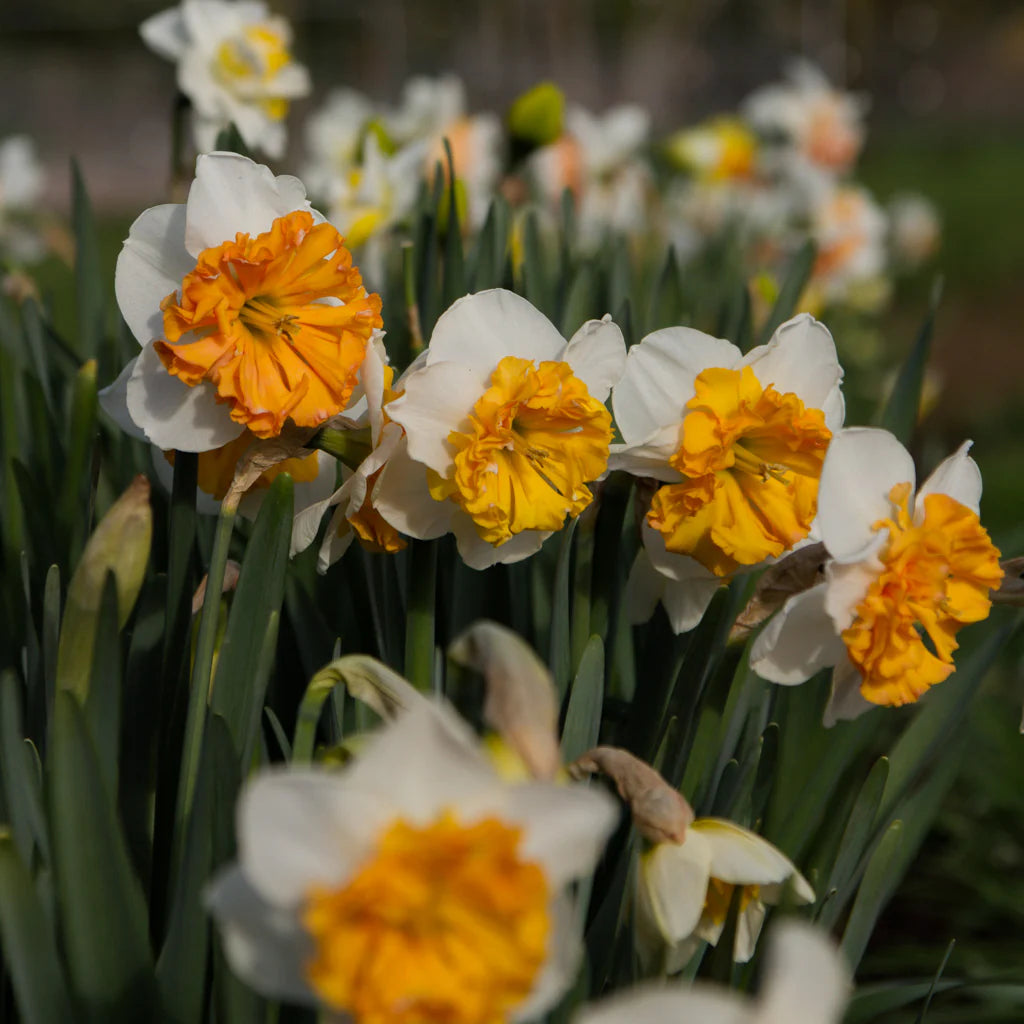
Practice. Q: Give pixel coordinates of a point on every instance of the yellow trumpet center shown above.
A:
(936, 577)
(719, 898)
(278, 323)
(443, 923)
(751, 458)
(248, 63)
(535, 438)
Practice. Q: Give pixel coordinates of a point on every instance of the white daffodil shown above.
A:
(849, 228)
(822, 127)
(505, 427)
(235, 65)
(415, 884)
(334, 136)
(915, 229)
(736, 441)
(21, 187)
(685, 890)
(906, 572)
(248, 309)
(434, 109)
(806, 981)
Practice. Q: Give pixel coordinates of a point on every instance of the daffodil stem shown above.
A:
(419, 620)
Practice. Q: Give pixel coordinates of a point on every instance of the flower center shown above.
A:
(751, 458)
(278, 323)
(719, 897)
(216, 468)
(936, 577)
(248, 62)
(535, 438)
(444, 923)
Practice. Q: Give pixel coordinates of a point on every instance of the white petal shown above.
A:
(232, 193)
(563, 959)
(800, 358)
(479, 330)
(174, 415)
(800, 640)
(675, 567)
(565, 828)
(649, 457)
(424, 762)
(861, 467)
(847, 585)
(846, 701)
(437, 400)
(658, 379)
(337, 540)
(478, 553)
(165, 33)
(643, 589)
(686, 601)
(403, 498)
(597, 355)
(298, 828)
(958, 476)
(806, 979)
(311, 499)
(114, 402)
(740, 856)
(150, 267)
(267, 947)
(675, 1004)
(674, 879)
(748, 928)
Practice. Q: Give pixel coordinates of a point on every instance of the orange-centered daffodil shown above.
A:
(444, 922)
(278, 323)
(751, 458)
(536, 437)
(936, 577)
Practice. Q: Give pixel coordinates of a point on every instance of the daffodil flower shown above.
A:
(723, 149)
(737, 442)
(505, 427)
(413, 885)
(806, 981)
(234, 64)
(684, 890)
(906, 573)
(248, 309)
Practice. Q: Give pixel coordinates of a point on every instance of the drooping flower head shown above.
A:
(235, 65)
(505, 428)
(248, 308)
(415, 885)
(906, 573)
(737, 442)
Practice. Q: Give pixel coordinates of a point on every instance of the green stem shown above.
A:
(419, 620)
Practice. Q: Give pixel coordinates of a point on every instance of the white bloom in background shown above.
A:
(414, 885)
(599, 160)
(235, 65)
(684, 890)
(334, 135)
(434, 109)
(737, 443)
(21, 188)
(822, 127)
(806, 981)
(505, 427)
(902, 568)
(915, 230)
(247, 308)
(722, 149)
(850, 229)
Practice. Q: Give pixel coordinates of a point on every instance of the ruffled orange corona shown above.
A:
(278, 323)
(936, 577)
(751, 458)
(444, 922)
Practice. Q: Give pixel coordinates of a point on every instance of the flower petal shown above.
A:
(663, 1003)
(742, 857)
(114, 402)
(643, 589)
(150, 267)
(657, 381)
(686, 601)
(403, 498)
(172, 414)
(165, 33)
(800, 640)
(478, 553)
(801, 358)
(597, 355)
(564, 954)
(846, 701)
(861, 467)
(674, 883)
(478, 331)
(232, 193)
(266, 947)
(958, 476)
(847, 585)
(748, 929)
(650, 457)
